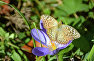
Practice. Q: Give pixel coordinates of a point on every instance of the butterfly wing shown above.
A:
(66, 33)
(48, 21)
(58, 32)
(51, 32)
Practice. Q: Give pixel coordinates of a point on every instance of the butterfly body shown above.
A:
(59, 32)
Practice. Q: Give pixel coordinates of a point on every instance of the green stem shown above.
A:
(65, 51)
(44, 58)
(34, 46)
(13, 45)
(39, 39)
(60, 57)
(34, 42)
(36, 58)
(57, 57)
(37, 32)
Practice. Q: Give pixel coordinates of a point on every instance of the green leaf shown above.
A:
(91, 54)
(21, 35)
(27, 40)
(52, 58)
(2, 48)
(70, 7)
(91, 15)
(86, 55)
(2, 32)
(15, 56)
(68, 20)
(47, 11)
(63, 51)
(35, 18)
(91, 4)
(78, 52)
(7, 36)
(1, 4)
(92, 40)
(82, 43)
(75, 22)
(23, 55)
(12, 36)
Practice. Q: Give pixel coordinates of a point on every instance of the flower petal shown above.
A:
(59, 46)
(54, 52)
(40, 51)
(41, 26)
(62, 46)
(39, 35)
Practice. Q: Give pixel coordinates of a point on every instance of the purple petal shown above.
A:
(39, 35)
(54, 52)
(59, 47)
(41, 26)
(64, 46)
(40, 51)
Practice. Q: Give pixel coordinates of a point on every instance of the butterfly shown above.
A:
(57, 31)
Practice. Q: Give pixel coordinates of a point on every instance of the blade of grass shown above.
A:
(34, 42)
(37, 32)
(25, 20)
(13, 45)
(34, 46)
(91, 55)
(39, 39)
(23, 55)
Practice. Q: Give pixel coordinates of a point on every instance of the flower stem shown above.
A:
(61, 53)
(39, 39)
(60, 57)
(44, 58)
(37, 32)
(34, 46)
(36, 58)
(57, 57)
(34, 42)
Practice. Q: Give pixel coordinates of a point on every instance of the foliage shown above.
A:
(76, 13)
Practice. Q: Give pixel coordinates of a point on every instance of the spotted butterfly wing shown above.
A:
(50, 24)
(59, 32)
(48, 21)
(52, 32)
(66, 33)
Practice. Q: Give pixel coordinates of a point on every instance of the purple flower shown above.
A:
(52, 47)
